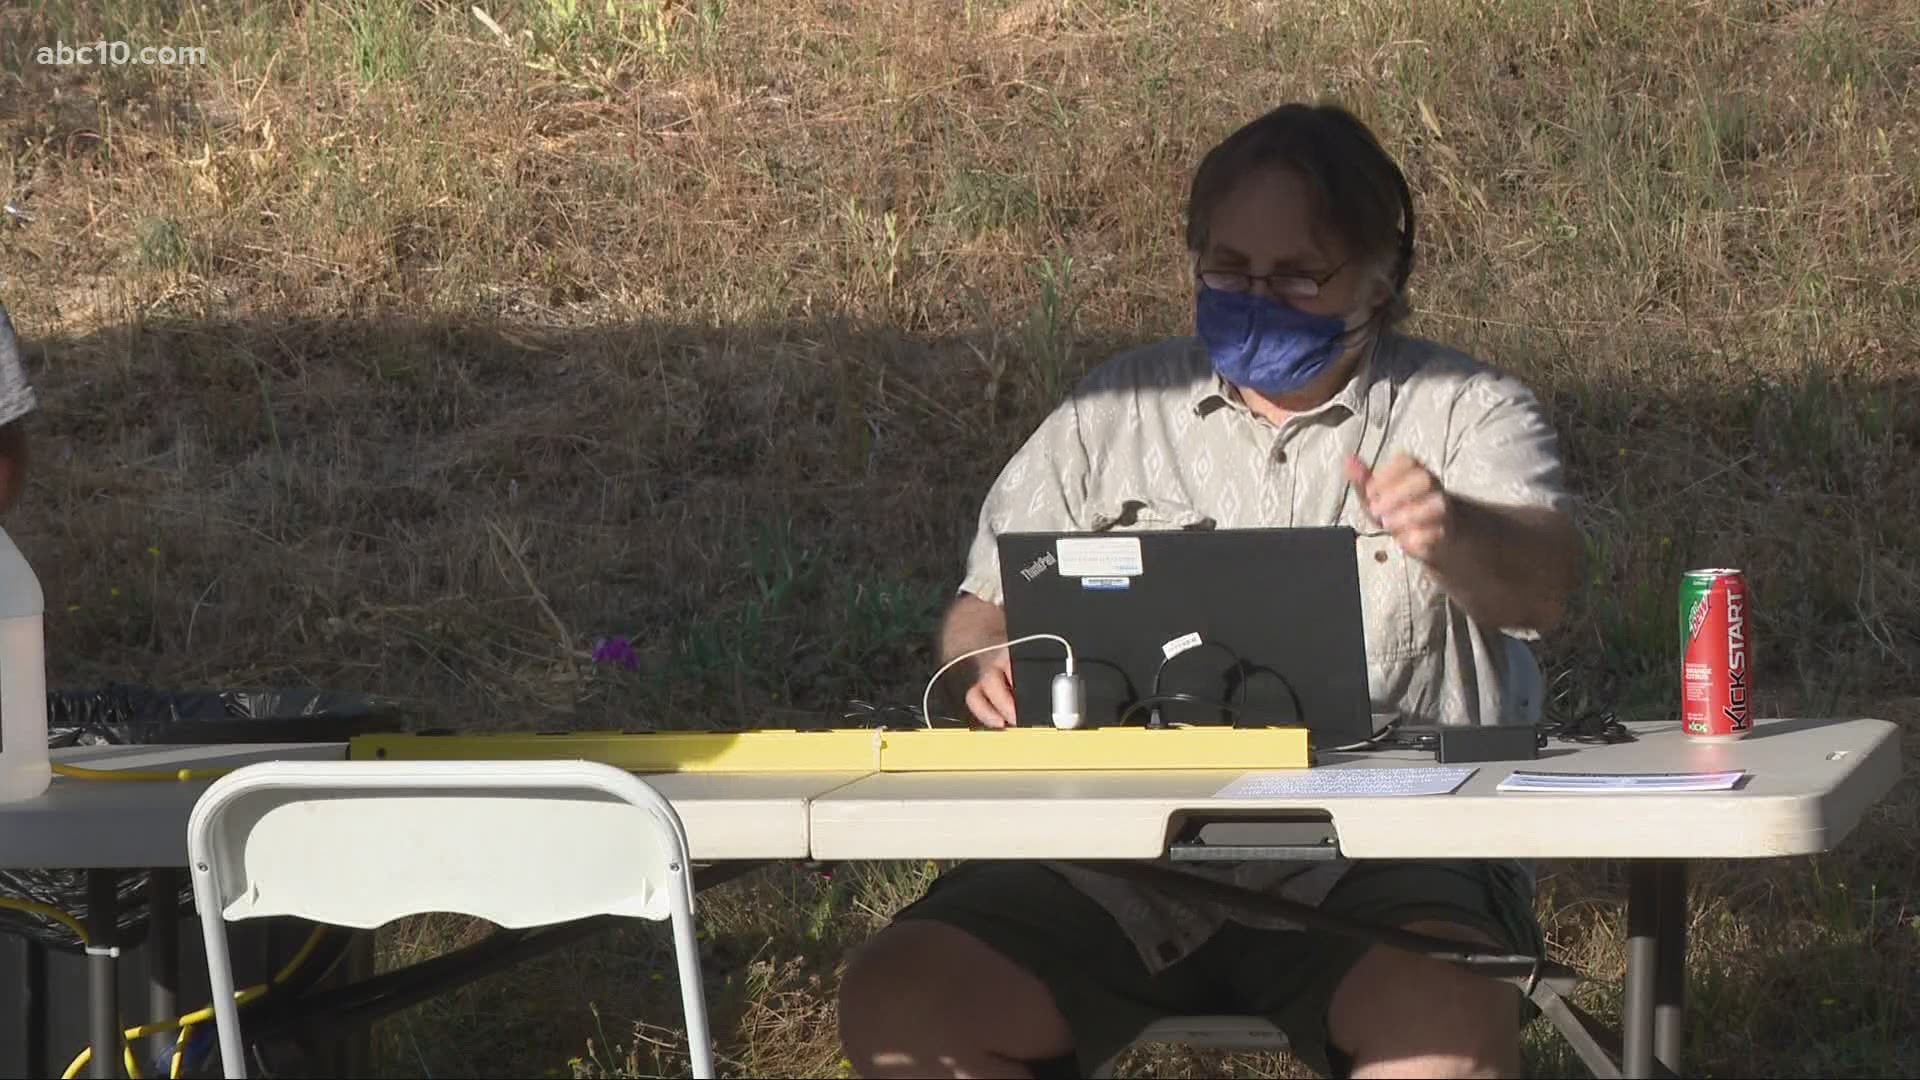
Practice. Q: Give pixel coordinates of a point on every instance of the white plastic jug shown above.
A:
(23, 678)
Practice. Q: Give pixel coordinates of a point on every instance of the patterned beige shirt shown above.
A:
(1154, 439)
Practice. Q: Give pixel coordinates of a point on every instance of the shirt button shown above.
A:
(1379, 556)
(1279, 455)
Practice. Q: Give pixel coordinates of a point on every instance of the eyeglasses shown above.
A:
(1295, 283)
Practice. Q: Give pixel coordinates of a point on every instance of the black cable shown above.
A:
(1593, 728)
(1158, 698)
(1580, 717)
(1379, 740)
(892, 717)
(1293, 696)
(1237, 692)
(1154, 702)
(1238, 665)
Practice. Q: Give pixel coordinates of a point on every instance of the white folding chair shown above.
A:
(1524, 687)
(360, 843)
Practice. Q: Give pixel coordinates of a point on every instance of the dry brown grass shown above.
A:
(385, 353)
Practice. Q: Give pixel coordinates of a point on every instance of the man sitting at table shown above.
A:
(1295, 404)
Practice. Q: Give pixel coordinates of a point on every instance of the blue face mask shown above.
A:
(1261, 345)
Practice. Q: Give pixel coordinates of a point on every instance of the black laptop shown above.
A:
(1258, 627)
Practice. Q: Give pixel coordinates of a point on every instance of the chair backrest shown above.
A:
(1524, 686)
(360, 843)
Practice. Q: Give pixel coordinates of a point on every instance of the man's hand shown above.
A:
(972, 623)
(1408, 501)
(1506, 566)
(990, 698)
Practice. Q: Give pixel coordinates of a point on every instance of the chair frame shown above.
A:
(482, 779)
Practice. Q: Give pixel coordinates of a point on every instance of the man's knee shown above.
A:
(924, 998)
(879, 982)
(1402, 1014)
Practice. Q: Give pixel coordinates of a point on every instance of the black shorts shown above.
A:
(1035, 918)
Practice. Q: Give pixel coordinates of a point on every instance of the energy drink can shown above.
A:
(1716, 687)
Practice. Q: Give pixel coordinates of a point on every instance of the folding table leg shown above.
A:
(1670, 984)
(1643, 957)
(163, 953)
(103, 971)
(33, 995)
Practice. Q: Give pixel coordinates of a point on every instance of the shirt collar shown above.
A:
(1211, 392)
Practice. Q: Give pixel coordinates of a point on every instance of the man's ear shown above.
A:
(1379, 290)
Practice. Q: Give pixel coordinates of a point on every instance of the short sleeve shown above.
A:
(16, 396)
(1501, 448)
(1043, 487)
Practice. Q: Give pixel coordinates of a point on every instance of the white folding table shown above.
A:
(96, 824)
(1811, 782)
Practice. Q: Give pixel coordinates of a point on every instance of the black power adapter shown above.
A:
(1486, 742)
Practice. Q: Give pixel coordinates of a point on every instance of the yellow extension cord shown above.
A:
(46, 911)
(182, 1024)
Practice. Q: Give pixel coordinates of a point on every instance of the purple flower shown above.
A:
(616, 650)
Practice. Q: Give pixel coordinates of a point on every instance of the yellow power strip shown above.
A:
(958, 750)
(867, 749)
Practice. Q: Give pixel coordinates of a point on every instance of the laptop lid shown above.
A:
(1265, 620)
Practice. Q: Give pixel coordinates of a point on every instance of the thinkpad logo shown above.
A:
(1038, 566)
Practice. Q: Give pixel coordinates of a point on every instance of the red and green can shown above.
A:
(1716, 632)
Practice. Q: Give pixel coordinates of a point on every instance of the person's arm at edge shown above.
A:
(16, 401)
(13, 463)
(1497, 536)
(1510, 566)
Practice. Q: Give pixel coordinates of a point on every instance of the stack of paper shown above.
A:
(1615, 783)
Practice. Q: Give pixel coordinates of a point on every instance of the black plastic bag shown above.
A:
(139, 716)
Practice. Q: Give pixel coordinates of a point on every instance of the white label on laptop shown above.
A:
(1106, 583)
(1180, 644)
(1098, 556)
